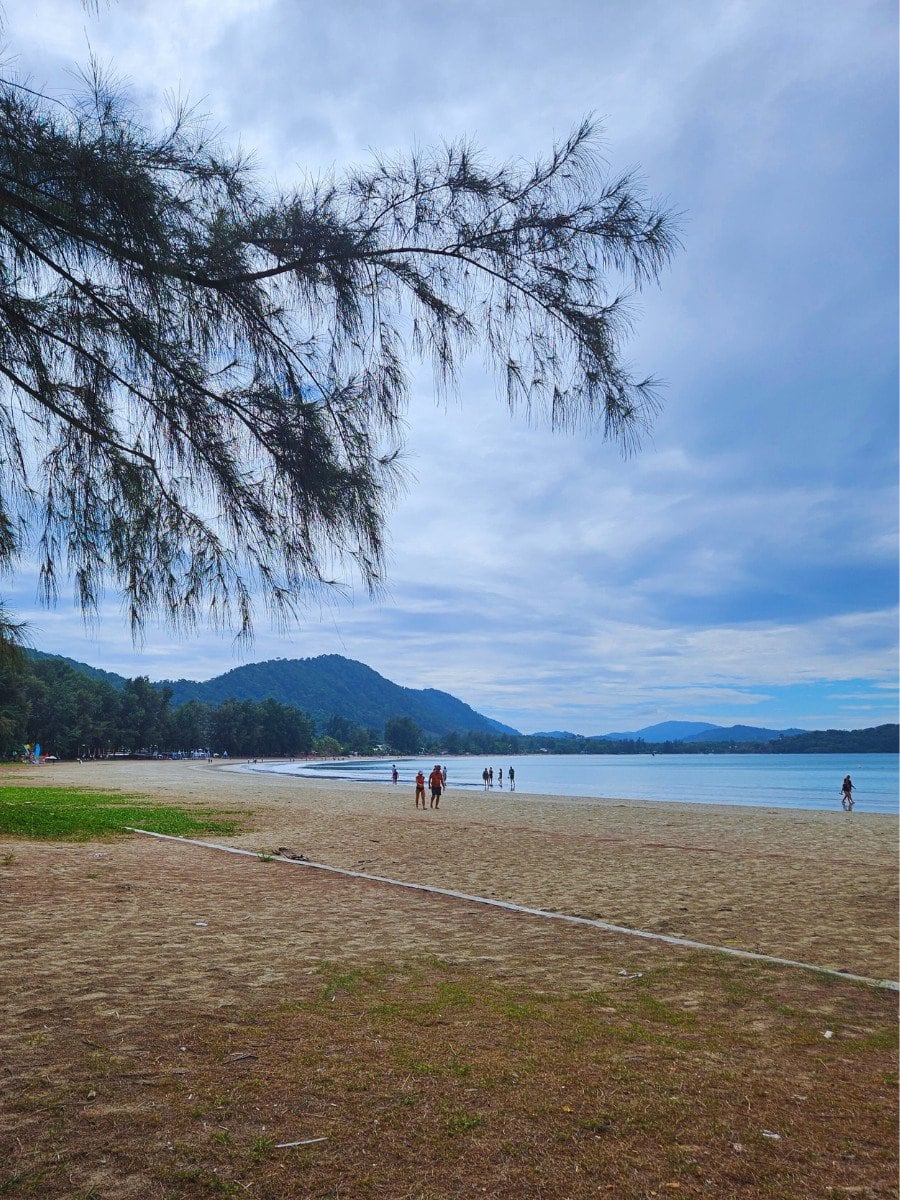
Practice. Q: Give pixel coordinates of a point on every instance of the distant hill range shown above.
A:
(327, 686)
(701, 731)
(332, 685)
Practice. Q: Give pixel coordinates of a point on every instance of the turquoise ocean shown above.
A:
(760, 780)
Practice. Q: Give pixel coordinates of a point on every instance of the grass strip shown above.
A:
(75, 815)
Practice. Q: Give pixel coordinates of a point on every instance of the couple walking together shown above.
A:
(437, 781)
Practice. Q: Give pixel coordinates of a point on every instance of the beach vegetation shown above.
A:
(403, 735)
(74, 815)
(77, 715)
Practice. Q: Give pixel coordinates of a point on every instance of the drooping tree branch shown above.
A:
(202, 382)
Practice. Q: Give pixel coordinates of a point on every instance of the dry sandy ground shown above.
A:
(120, 958)
(819, 887)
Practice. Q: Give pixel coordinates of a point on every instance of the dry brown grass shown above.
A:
(430, 1081)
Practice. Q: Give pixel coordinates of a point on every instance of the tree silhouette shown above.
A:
(203, 381)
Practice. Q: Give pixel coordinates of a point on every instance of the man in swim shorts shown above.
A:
(436, 783)
(420, 788)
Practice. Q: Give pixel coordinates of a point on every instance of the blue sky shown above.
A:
(742, 567)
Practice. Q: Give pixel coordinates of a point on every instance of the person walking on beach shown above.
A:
(490, 776)
(395, 774)
(847, 800)
(500, 778)
(420, 788)
(436, 782)
(443, 776)
(512, 779)
(484, 778)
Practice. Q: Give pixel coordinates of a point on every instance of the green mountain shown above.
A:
(742, 733)
(117, 681)
(327, 686)
(879, 739)
(332, 685)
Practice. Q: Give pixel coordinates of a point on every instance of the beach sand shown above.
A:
(817, 887)
(172, 1012)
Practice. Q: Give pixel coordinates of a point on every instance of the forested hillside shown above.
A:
(881, 739)
(74, 715)
(331, 684)
(73, 710)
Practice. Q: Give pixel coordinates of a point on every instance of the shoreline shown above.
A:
(318, 771)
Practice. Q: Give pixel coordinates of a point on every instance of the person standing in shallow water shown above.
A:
(511, 776)
(847, 800)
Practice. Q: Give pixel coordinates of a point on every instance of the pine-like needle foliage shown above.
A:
(202, 382)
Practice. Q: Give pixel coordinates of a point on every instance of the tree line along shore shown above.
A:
(73, 715)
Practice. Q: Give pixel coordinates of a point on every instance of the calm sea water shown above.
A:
(761, 780)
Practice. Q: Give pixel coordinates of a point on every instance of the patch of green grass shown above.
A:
(883, 1039)
(454, 995)
(458, 1068)
(447, 996)
(417, 1066)
(69, 814)
(337, 980)
(527, 1010)
(12, 1181)
(463, 1122)
(654, 1009)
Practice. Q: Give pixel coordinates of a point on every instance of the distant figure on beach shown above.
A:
(420, 788)
(500, 777)
(444, 776)
(436, 783)
(395, 774)
(512, 779)
(484, 777)
(847, 800)
(490, 776)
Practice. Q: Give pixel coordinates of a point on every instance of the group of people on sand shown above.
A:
(487, 776)
(437, 782)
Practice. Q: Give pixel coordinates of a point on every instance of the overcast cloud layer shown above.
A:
(743, 567)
